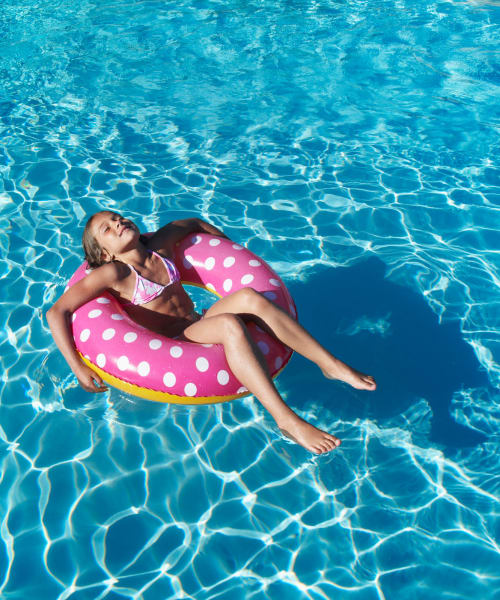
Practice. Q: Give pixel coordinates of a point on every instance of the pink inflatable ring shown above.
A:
(149, 365)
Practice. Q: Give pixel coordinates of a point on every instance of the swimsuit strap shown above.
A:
(171, 268)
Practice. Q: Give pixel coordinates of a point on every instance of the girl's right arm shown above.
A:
(59, 320)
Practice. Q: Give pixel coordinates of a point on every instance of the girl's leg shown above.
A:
(248, 365)
(252, 305)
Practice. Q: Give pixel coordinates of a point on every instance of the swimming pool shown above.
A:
(354, 147)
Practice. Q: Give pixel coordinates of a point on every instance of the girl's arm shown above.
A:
(168, 236)
(59, 320)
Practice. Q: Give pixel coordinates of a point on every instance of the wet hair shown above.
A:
(93, 251)
(91, 247)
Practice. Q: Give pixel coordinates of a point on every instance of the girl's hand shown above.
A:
(90, 380)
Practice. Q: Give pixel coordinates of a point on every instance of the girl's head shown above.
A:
(105, 235)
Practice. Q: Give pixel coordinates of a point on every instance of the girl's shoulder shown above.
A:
(113, 277)
(112, 272)
(108, 277)
(162, 241)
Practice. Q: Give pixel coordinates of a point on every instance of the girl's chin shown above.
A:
(129, 236)
(130, 231)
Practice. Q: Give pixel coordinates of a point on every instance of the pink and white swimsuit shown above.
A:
(146, 290)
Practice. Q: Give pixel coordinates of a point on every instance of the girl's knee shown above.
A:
(231, 325)
(252, 300)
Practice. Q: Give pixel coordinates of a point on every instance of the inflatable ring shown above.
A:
(146, 364)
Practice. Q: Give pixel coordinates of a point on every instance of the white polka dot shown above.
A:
(143, 368)
(270, 295)
(117, 317)
(87, 271)
(103, 300)
(278, 362)
(254, 263)
(196, 239)
(229, 261)
(130, 337)
(223, 377)
(237, 247)
(188, 261)
(209, 263)
(202, 364)
(241, 390)
(108, 334)
(155, 344)
(101, 360)
(190, 389)
(87, 356)
(247, 279)
(210, 286)
(176, 351)
(93, 314)
(169, 379)
(84, 335)
(227, 285)
(207, 345)
(214, 242)
(263, 346)
(122, 363)
(73, 317)
(274, 282)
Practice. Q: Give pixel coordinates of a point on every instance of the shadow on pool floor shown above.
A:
(412, 355)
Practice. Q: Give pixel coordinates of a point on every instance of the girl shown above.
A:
(122, 260)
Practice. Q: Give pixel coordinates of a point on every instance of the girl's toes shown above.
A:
(335, 442)
(328, 445)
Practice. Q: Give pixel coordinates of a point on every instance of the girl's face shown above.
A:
(114, 233)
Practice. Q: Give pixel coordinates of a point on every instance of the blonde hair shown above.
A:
(91, 247)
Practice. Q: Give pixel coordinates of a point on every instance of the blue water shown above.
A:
(354, 146)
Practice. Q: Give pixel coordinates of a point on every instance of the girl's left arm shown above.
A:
(168, 236)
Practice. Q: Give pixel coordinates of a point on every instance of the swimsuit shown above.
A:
(146, 290)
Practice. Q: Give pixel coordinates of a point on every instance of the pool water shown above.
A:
(352, 145)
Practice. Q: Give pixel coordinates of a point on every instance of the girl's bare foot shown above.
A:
(308, 436)
(344, 372)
